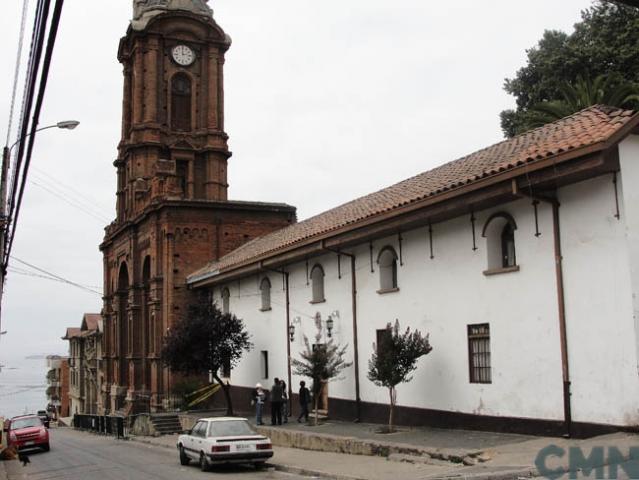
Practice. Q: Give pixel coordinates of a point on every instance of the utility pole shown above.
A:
(6, 159)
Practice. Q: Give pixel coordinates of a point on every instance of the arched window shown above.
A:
(317, 281)
(181, 102)
(387, 261)
(265, 288)
(499, 232)
(226, 295)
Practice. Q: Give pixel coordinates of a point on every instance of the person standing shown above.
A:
(285, 412)
(259, 397)
(276, 402)
(305, 399)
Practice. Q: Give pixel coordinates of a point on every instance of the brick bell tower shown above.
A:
(173, 215)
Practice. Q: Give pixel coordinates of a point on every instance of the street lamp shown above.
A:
(6, 156)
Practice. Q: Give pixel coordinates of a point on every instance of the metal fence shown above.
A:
(105, 425)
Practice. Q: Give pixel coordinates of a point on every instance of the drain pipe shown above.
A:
(288, 325)
(561, 303)
(562, 319)
(358, 400)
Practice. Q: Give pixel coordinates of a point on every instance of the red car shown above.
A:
(28, 431)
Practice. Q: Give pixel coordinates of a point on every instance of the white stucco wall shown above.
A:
(629, 164)
(442, 296)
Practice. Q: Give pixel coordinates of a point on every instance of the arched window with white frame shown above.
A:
(499, 231)
(265, 290)
(387, 261)
(226, 300)
(317, 282)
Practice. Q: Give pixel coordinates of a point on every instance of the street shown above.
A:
(79, 456)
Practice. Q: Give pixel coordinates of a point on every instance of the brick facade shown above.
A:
(173, 215)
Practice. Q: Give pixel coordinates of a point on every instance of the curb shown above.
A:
(322, 442)
(311, 473)
(277, 466)
(280, 467)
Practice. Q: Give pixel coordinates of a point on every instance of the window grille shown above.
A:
(479, 353)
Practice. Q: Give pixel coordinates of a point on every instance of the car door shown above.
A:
(199, 434)
(190, 441)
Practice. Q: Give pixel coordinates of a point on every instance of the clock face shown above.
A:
(183, 55)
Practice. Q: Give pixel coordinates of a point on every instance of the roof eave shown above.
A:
(258, 263)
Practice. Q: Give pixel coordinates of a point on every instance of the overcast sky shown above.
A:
(325, 101)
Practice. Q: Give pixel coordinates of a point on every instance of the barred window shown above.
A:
(479, 353)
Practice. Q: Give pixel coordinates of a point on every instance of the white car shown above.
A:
(223, 440)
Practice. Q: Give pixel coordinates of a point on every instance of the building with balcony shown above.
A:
(58, 386)
(85, 355)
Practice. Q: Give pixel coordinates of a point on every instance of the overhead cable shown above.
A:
(16, 74)
(53, 31)
(57, 277)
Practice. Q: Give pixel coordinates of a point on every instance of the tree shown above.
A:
(320, 362)
(395, 359)
(204, 342)
(605, 42)
(584, 93)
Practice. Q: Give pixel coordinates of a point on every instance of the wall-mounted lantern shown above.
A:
(291, 332)
(329, 326)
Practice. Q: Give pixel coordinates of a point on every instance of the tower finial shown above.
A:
(144, 10)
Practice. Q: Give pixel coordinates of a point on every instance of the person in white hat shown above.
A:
(258, 400)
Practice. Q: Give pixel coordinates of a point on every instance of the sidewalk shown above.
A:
(345, 451)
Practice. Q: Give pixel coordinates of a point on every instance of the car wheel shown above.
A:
(46, 447)
(184, 459)
(204, 464)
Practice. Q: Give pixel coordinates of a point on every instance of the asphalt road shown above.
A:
(81, 456)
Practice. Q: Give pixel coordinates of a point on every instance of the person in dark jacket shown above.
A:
(285, 412)
(276, 402)
(305, 399)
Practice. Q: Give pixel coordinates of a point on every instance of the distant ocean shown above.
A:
(23, 386)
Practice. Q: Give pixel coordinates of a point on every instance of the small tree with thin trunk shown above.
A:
(204, 342)
(321, 362)
(394, 359)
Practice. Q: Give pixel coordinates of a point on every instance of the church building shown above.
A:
(173, 213)
(520, 260)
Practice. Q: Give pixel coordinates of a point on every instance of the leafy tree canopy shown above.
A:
(605, 42)
(322, 362)
(204, 342)
(395, 359)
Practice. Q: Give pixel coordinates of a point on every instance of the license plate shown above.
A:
(27, 444)
(244, 447)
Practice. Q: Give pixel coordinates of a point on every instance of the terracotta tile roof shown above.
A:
(72, 332)
(583, 129)
(91, 321)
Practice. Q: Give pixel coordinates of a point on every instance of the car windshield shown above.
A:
(230, 428)
(25, 423)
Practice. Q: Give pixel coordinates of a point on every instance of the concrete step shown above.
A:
(166, 424)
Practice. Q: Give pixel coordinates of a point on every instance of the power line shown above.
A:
(26, 273)
(53, 31)
(70, 191)
(25, 8)
(57, 277)
(71, 202)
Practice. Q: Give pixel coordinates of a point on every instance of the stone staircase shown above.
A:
(166, 424)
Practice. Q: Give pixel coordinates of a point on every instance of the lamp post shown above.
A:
(4, 221)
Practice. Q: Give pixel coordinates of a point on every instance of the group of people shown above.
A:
(278, 398)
